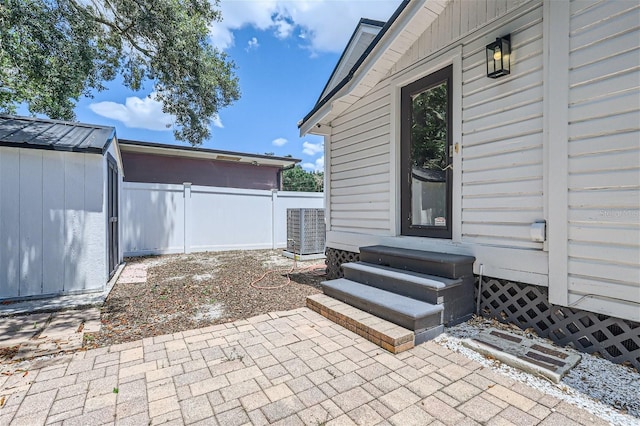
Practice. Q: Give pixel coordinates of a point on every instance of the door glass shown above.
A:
(429, 157)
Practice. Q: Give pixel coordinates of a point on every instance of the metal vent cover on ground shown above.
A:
(305, 231)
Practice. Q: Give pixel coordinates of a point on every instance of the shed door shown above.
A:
(112, 214)
(426, 156)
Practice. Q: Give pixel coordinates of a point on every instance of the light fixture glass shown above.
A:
(499, 57)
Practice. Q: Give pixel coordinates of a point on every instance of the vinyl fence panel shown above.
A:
(163, 219)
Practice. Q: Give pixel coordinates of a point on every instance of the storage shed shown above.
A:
(59, 186)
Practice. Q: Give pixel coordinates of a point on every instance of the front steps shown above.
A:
(417, 290)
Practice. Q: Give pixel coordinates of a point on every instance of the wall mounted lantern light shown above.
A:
(499, 57)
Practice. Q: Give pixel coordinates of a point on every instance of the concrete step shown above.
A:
(406, 312)
(455, 295)
(427, 262)
(406, 283)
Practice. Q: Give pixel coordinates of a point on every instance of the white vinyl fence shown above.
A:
(164, 219)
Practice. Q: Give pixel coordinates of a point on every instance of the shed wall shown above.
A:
(52, 222)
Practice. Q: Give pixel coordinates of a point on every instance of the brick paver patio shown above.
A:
(288, 368)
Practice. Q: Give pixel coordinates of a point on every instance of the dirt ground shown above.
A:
(197, 290)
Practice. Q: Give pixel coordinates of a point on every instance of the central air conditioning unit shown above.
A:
(305, 231)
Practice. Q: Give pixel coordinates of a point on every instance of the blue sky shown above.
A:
(285, 52)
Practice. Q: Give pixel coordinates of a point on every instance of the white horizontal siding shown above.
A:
(458, 19)
(359, 165)
(502, 155)
(52, 222)
(604, 156)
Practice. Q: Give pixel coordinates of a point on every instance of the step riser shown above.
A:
(459, 266)
(458, 301)
(398, 286)
(429, 321)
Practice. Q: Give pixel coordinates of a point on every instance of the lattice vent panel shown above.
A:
(334, 260)
(528, 306)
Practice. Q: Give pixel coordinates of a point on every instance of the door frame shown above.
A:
(113, 217)
(433, 79)
(421, 68)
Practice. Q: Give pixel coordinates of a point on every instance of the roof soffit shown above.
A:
(400, 36)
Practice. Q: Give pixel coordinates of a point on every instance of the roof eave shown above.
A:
(195, 152)
(391, 31)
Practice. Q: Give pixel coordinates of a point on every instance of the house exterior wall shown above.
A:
(603, 157)
(152, 168)
(52, 222)
(501, 178)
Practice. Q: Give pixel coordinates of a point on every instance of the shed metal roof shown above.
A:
(37, 133)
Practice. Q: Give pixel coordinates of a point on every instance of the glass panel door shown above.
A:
(426, 160)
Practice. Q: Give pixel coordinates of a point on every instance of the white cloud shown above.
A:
(279, 141)
(283, 29)
(317, 166)
(217, 122)
(252, 44)
(136, 113)
(324, 24)
(312, 148)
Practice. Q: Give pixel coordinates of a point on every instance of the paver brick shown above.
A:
(352, 398)
(131, 354)
(196, 408)
(299, 384)
(67, 404)
(461, 391)
(276, 393)
(238, 390)
(243, 374)
(160, 389)
(255, 400)
(411, 416)
(513, 398)
(99, 402)
(441, 411)
(40, 402)
(315, 415)
(399, 399)
(557, 419)
(518, 417)
(282, 408)
(385, 383)
(163, 406)
(480, 409)
(102, 386)
(131, 407)
(208, 385)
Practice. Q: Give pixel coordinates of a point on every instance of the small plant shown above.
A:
(116, 390)
(233, 355)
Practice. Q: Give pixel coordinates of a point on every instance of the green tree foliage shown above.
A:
(298, 179)
(54, 51)
(429, 129)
